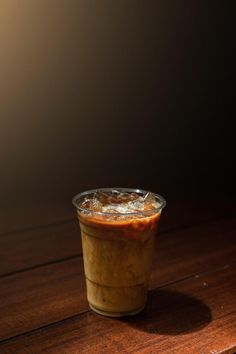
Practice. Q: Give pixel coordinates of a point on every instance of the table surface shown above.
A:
(192, 300)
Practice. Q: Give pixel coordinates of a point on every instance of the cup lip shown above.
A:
(78, 196)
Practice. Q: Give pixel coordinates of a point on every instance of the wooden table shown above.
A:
(192, 300)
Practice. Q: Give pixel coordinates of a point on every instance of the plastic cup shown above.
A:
(118, 251)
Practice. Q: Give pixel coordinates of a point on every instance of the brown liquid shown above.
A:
(117, 261)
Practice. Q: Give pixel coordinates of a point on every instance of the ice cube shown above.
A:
(150, 201)
(95, 205)
(101, 197)
(119, 202)
(137, 204)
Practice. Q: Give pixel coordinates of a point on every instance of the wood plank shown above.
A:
(194, 250)
(46, 244)
(38, 297)
(51, 293)
(39, 246)
(196, 315)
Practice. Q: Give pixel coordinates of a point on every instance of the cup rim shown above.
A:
(78, 198)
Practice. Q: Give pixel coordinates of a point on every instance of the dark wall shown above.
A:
(102, 93)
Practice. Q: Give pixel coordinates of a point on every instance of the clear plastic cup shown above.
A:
(118, 250)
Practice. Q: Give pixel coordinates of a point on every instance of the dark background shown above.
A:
(116, 93)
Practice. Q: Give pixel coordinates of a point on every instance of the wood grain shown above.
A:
(41, 296)
(51, 293)
(196, 316)
(192, 250)
(23, 250)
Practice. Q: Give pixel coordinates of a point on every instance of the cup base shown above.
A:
(116, 314)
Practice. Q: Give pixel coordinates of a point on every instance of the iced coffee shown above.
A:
(118, 230)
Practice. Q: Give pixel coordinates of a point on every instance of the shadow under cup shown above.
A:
(118, 250)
